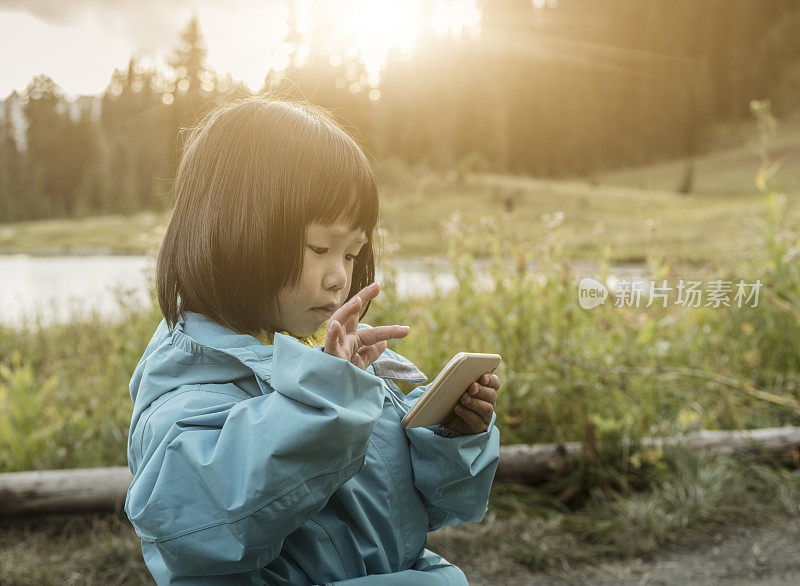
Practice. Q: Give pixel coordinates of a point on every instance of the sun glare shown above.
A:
(254, 39)
(367, 29)
(455, 16)
(375, 28)
(236, 45)
(371, 29)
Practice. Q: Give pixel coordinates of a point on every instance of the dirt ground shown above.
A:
(104, 550)
(768, 555)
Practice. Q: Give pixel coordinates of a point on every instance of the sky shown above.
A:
(78, 43)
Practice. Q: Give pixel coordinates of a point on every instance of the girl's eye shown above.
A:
(323, 250)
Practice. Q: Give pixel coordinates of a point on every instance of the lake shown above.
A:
(57, 288)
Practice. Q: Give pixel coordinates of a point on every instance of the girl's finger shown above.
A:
(479, 391)
(369, 336)
(333, 345)
(347, 314)
(490, 380)
(370, 354)
(353, 315)
(482, 408)
(473, 421)
(365, 295)
(369, 292)
(355, 303)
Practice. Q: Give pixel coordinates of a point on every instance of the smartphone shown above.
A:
(436, 405)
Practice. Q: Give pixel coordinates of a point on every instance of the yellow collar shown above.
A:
(315, 339)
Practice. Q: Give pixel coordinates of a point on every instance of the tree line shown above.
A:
(550, 88)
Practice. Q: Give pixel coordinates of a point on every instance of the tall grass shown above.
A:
(599, 375)
(609, 373)
(63, 389)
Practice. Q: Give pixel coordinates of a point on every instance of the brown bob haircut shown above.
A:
(255, 173)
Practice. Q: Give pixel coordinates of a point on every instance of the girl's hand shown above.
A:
(361, 347)
(474, 413)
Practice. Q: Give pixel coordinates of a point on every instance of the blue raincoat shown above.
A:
(280, 464)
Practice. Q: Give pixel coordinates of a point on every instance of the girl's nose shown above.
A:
(336, 277)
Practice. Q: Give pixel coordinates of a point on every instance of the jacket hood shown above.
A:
(197, 350)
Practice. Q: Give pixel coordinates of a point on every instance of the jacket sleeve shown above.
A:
(453, 472)
(223, 477)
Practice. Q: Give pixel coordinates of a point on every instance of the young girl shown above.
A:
(265, 442)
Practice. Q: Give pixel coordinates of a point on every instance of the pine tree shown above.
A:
(46, 139)
(194, 82)
(10, 200)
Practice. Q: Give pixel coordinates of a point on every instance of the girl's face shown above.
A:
(328, 261)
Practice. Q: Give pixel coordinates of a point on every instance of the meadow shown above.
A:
(606, 376)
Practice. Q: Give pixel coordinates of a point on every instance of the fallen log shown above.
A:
(64, 491)
(103, 489)
(537, 463)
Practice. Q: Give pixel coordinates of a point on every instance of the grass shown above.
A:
(525, 530)
(568, 374)
(411, 218)
(679, 224)
(63, 390)
(93, 235)
(70, 550)
(692, 228)
(725, 171)
(700, 496)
